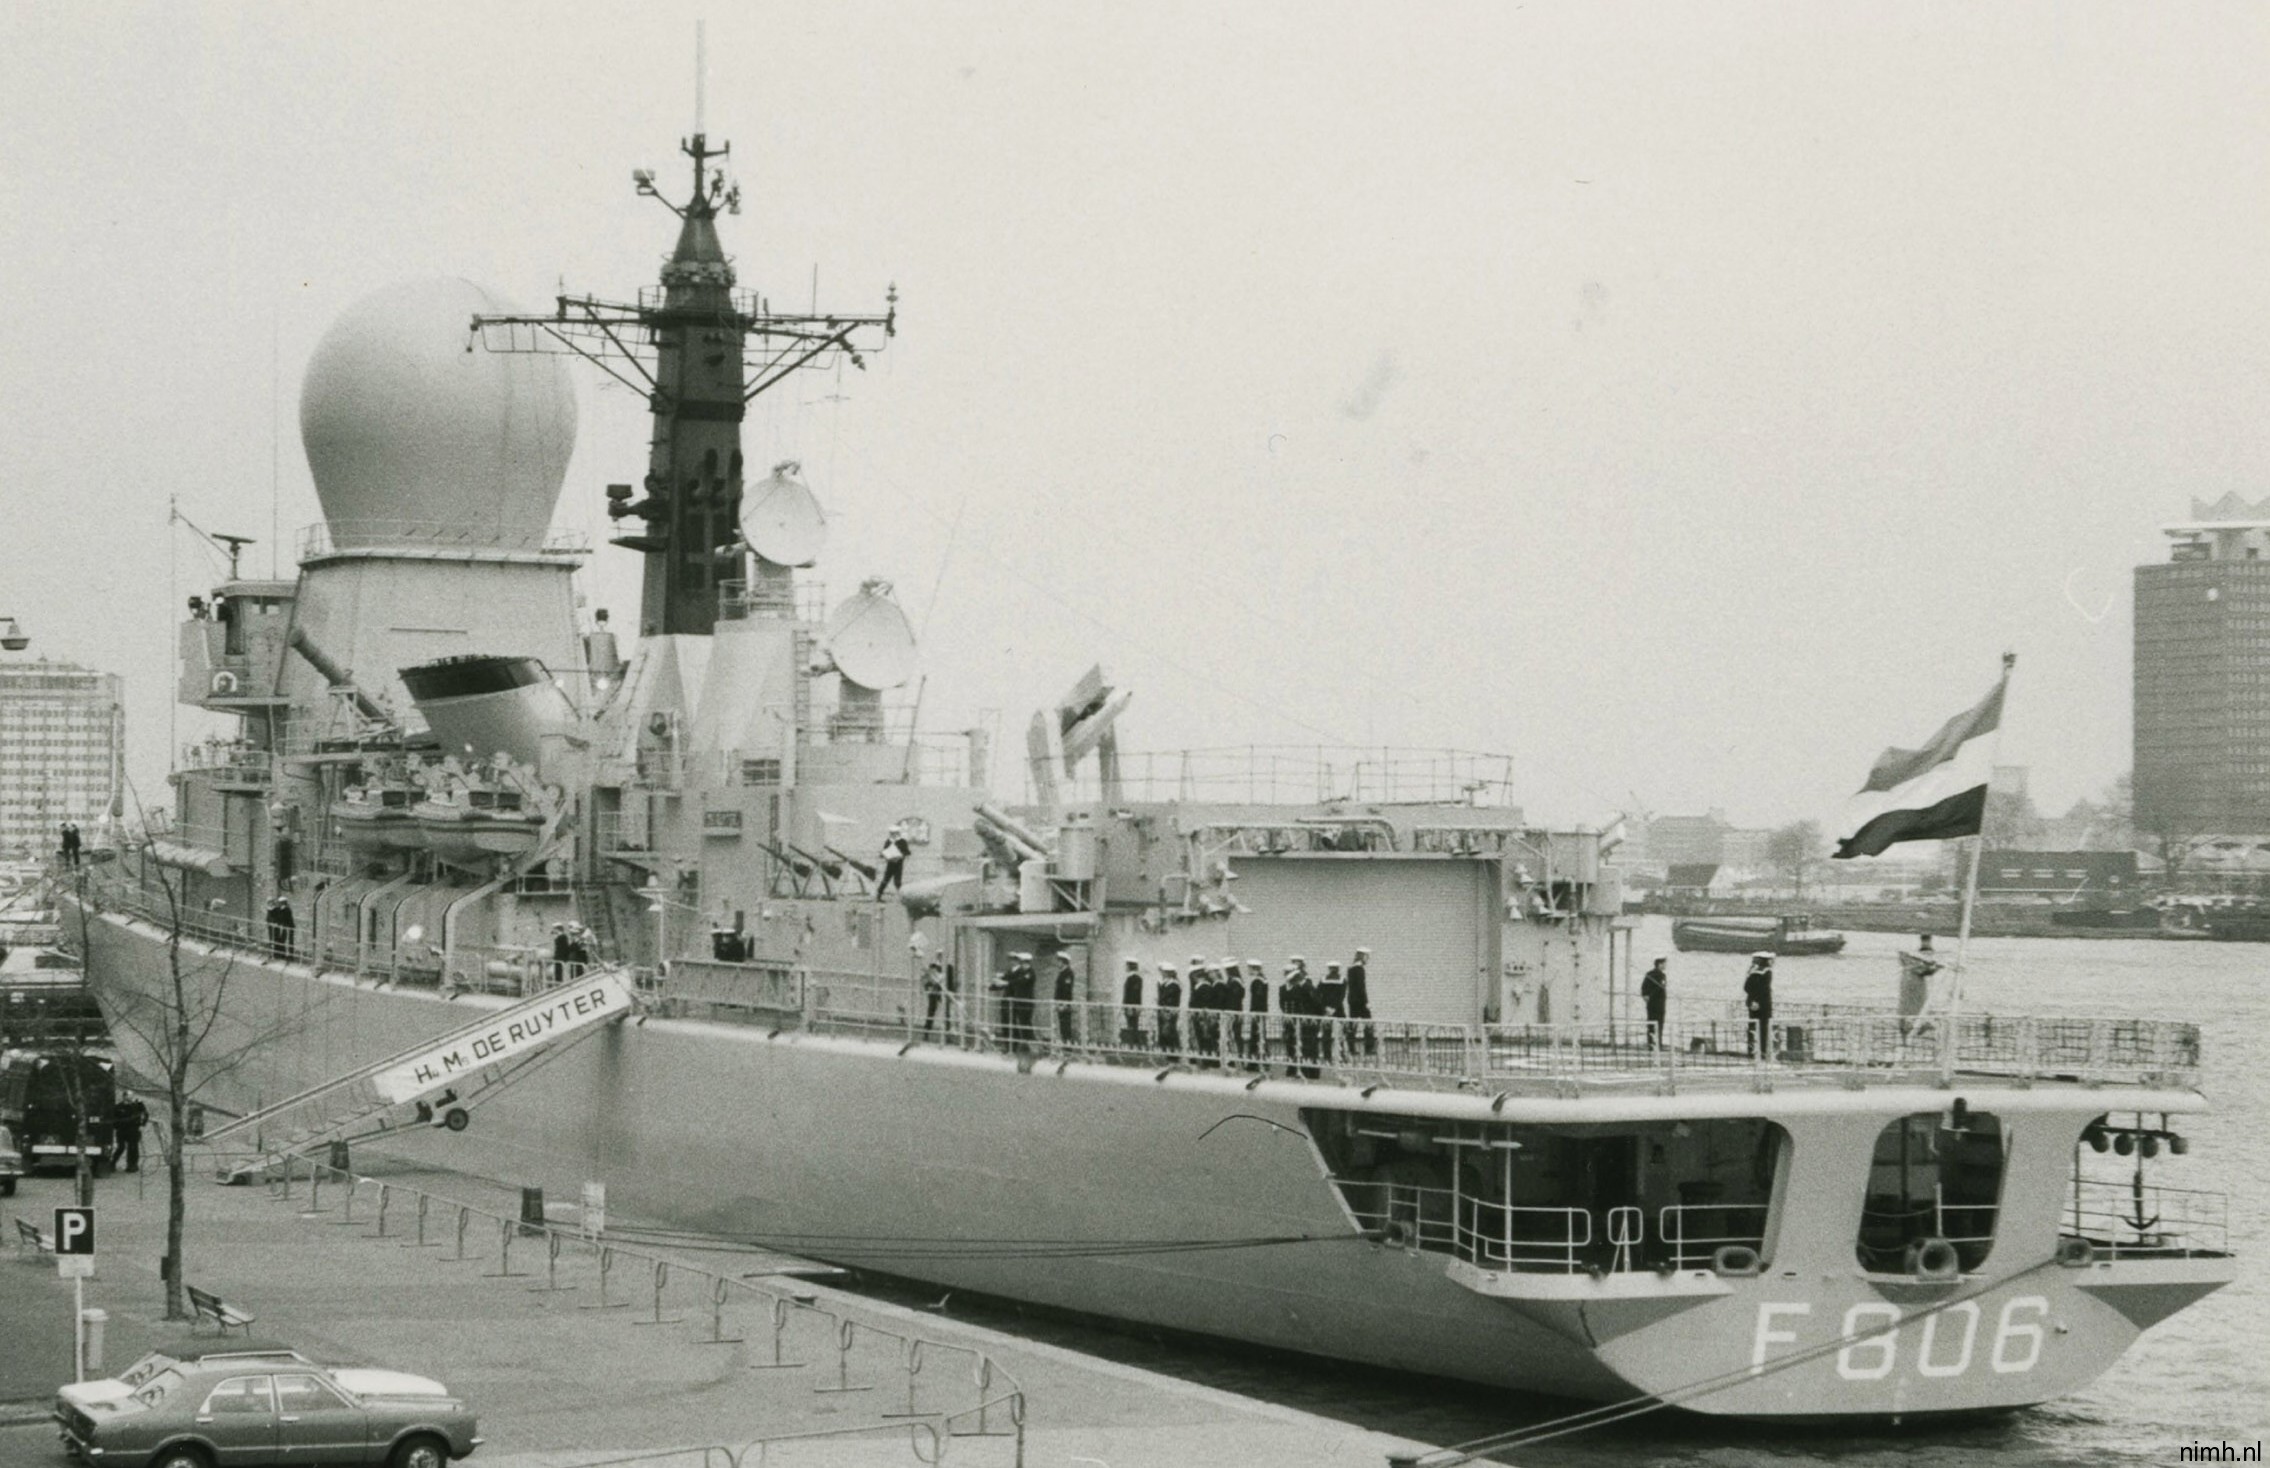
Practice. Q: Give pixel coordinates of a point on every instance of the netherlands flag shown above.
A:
(1935, 793)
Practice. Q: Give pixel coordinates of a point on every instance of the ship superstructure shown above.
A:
(449, 797)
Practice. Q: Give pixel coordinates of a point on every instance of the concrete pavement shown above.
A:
(557, 1381)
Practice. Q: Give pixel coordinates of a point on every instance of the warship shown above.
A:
(712, 920)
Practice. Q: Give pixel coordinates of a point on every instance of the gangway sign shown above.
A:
(588, 1001)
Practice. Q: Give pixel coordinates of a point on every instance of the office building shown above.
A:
(62, 753)
(2202, 677)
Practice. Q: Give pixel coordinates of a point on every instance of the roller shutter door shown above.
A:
(1429, 922)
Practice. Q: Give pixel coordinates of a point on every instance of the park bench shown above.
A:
(204, 1305)
(29, 1237)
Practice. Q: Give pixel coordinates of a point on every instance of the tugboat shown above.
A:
(1318, 1050)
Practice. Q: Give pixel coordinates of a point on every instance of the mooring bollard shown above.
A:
(661, 1280)
(845, 1331)
(779, 1361)
(606, 1267)
(910, 1356)
(720, 1286)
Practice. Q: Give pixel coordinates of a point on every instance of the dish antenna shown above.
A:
(868, 640)
(781, 518)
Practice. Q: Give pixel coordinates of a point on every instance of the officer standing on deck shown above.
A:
(1655, 993)
(1297, 999)
(1131, 1006)
(1233, 1009)
(1359, 1004)
(1757, 997)
(1066, 986)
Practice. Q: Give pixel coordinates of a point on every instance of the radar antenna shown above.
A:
(699, 351)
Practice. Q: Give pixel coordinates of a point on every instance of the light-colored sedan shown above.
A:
(224, 1411)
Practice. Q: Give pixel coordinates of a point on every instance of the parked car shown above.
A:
(225, 1409)
(244, 1355)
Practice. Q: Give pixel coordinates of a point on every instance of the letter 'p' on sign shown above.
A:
(74, 1231)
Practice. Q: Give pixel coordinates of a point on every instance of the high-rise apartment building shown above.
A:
(62, 752)
(2202, 680)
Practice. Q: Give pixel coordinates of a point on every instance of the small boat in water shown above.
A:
(1789, 936)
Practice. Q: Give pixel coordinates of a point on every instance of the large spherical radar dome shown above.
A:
(416, 432)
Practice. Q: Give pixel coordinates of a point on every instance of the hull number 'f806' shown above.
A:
(1936, 1342)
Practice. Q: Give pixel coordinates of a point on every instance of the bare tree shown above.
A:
(1794, 849)
(184, 1028)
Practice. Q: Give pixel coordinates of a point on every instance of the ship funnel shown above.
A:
(483, 706)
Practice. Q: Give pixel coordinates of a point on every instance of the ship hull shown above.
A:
(976, 1172)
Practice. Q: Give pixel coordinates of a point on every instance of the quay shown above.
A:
(340, 1274)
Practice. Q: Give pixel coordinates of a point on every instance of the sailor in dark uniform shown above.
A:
(1233, 1009)
(1298, 1002)
(1359, 1004)
(1655, 994)
(934, 993)
(1170, 1010)
(1131, 1006)
(1757, 997)
(1257, 1001)
(560, 952)
(1332, 1001)
(1067, 984)
(1202, 1023)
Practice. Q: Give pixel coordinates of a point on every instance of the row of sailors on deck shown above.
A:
(1221, 1018)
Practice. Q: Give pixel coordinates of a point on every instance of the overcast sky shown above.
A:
(1688, 401)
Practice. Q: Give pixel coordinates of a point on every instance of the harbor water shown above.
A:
(2201, 1377)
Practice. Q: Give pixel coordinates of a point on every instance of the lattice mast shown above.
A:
(700, 351)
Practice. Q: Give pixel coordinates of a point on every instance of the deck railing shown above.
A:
(2137, 1219)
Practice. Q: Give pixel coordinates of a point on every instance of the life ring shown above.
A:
(1933, 1259)
(224, 683)
(1738, 1261)
(2076, 1253)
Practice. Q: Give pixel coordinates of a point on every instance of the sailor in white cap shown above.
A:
(561, 952)
(1016, 988)
(1757, 998)
(1298, 1002)
(895, 851)
(1233, 1008)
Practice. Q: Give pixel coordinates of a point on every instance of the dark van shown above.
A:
(39, 1105)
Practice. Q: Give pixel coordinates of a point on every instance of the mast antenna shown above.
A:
(701, 76)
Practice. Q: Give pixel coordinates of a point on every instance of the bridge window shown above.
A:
(1935, 1176)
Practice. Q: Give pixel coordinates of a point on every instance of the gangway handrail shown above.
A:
(489, 1020)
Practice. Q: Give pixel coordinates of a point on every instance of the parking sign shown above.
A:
(75, 1242)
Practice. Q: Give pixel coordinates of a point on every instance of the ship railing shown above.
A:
(1501, 1237)
(2080, 1047)
(1693, 1233)
(938, 1390)
(311, 736)
(326, 539)
(2133, 1219)
(1706, 1052)
(232, 760)
(805, 601)
(1306, 774)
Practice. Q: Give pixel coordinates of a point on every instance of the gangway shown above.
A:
(436, 1082)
